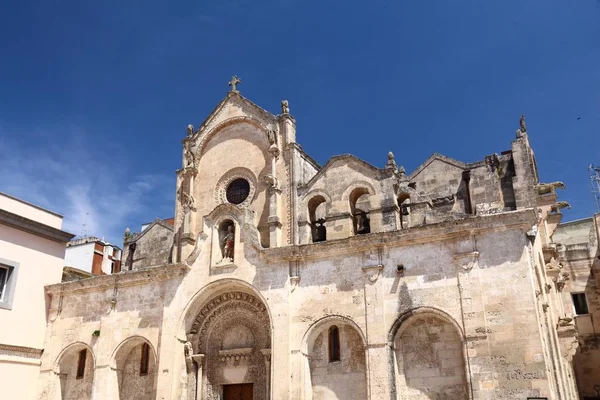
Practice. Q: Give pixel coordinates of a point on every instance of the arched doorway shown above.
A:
(429, 358)
(135, 363)
(230, 342)
(76, 372)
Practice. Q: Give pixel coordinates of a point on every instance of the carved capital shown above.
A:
(467, 260)
(372, 272)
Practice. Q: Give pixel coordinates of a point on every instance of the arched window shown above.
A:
(144, 359)
(81, 364)
(334, 344)
(317, 215)
(359, 208)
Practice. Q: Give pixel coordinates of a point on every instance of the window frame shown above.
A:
(8, 292)
(335, 351)
(145, 359)
(81, 360)
(587, 305)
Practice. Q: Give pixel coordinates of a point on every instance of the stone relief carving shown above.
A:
(189, 157)
(227, 245)
(556, 207)
(546, 188)
(234, 82)
(553, 265)
(272, 136)
(561, 280)
(270, 180)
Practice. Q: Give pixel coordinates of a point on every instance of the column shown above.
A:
(267, 355)
(198, 360)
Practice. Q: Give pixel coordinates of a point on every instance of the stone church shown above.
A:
(280, 278)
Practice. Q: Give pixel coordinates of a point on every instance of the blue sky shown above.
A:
(95, 96)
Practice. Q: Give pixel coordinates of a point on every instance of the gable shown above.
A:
(344, 164)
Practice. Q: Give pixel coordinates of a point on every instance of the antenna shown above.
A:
(595, 181)
(84, 225)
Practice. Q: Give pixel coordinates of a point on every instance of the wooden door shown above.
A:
(243, 391)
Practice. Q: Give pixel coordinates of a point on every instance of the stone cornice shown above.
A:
(34, 227)
(121, 279)
(21, 351)
(521, 219)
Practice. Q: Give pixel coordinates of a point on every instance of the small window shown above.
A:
(580, 303)
(81, 364)
(8, 282)
(145, 359)
(334, 344)
(3, 281)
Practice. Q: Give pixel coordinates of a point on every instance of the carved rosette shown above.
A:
(220, 193)
(223, 304)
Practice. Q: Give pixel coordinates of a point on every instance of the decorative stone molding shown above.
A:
(220, 192)
(373, 272)
(123, 279)
(229, 356)
(560, 280)
(467, 260)
(224, 303)
(294, 281)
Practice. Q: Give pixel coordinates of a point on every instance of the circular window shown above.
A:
(238, 191)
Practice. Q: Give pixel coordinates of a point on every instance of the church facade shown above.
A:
(285, 279)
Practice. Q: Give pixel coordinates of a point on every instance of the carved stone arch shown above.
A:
(75, 382)
(427, 337)
(126, 345)
(228, 177)
(202, 296)
(418, 311)
(367, 186)
(234, 311)
(205, 137)
(135, 371)
(77, 346)
(346, 372)
(312, 195)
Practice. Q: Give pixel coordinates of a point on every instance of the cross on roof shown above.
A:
(234, 81)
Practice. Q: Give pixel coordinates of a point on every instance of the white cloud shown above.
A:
(96, 197)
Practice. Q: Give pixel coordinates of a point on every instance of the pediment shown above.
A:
(234, 108)
(437, 158)
(350, 160)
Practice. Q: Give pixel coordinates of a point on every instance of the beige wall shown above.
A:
(39, 262)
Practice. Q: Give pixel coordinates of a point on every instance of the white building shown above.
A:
(32, 250)
(93, 255)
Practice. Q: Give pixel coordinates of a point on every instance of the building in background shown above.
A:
(32, 250)
(92, 256)
(578, 254)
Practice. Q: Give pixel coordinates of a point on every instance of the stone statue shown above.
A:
(228, 243)
(285, 107)
(272, 137)
(270, 180)
(190, 130)
(188, 349)
(565, 321)
(127, 235)
(189, 157)
(545, 188)
(188, 202)
(522, 126)
(234, 82)
(556, 207)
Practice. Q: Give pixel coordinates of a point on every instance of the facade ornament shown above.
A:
(372, 273)
(565, 321)
(272, 135)
(127, 236)
(556, 207)
(188, 202)
(190, 130)
(553, 265)
(546, 188)
(227, 244)
(189, 157)
(285, 107)
(522, 126)
(391, 163)
(234, 82)
(560, 280)
(271, 181)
